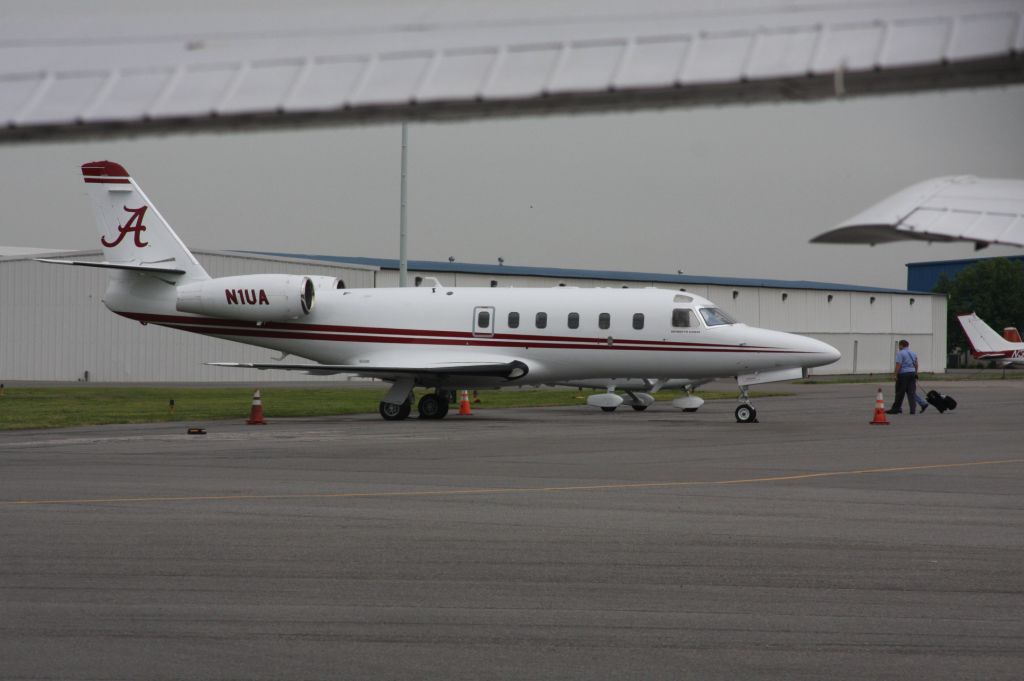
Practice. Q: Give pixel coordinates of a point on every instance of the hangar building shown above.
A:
(54, 327)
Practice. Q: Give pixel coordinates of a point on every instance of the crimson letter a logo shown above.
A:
(134, 225)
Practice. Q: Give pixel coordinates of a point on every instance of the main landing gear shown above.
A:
(431, 406)
(396, 412)
(745, 413)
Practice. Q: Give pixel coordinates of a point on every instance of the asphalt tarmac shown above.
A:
(560, 543)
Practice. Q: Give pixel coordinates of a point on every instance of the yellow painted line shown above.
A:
(520, 490)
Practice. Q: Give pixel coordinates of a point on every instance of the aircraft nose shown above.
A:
(824, 353)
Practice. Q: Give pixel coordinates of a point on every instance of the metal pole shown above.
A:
(403, 262)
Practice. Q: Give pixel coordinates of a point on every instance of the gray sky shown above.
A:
(731, 191)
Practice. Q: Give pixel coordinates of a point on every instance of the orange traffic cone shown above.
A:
(464, 409)
(879, 419)
(256, 412)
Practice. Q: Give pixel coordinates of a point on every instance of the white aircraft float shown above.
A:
(431, 336)
(986, 343)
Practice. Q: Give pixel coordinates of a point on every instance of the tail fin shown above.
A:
(984, 340)
(132, 231)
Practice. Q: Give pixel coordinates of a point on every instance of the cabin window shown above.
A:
(715, 317)
(483, 319)
(513, 320)
(638, 321)
(682, 318)
(542, 320)
(574, 320)
(604, 320)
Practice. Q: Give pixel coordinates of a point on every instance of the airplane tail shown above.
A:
(984, 340)
(133, 234)
(153, 274)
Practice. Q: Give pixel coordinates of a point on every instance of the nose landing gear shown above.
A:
(745, 413)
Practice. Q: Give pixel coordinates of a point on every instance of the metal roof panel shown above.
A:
(572, 273)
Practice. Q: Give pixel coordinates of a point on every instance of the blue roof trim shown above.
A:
(964, 261)
(518, 270)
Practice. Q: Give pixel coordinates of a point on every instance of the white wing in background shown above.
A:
(79, 73)
(966, 208)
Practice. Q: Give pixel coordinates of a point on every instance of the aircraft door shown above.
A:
(483, 321)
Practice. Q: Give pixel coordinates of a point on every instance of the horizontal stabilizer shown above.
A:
(132, 267)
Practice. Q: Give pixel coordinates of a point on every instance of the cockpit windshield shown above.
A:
(714, 316)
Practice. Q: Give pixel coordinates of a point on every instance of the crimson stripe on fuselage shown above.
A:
(373, 334)
(476, 342)
(105, 180)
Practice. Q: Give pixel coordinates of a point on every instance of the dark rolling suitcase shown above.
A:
(939, 401)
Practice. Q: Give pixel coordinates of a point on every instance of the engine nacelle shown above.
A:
(250, 297)
(321, 282)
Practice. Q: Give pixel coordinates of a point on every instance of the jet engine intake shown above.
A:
(255, 297)
(323, 282)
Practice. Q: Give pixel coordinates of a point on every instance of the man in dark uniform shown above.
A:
(906, 379)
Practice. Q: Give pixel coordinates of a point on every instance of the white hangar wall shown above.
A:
(54, 327)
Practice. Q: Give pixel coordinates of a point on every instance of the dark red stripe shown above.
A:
(515, 340)
(477, 342)
(103, 169)
(104, 180)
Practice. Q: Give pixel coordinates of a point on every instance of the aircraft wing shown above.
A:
(964, 208)
(507, 369)
(83, 72)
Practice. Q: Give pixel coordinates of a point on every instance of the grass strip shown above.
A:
(60, 407)
(887, 378)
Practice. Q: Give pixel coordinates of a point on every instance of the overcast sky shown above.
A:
(730, 191)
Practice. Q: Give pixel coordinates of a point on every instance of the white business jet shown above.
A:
(429, 336)
(986, 343)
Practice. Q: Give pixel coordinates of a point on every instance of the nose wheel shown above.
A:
(745, 413)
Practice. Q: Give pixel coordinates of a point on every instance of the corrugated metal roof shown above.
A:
(568, 273)
(963, 261)
(75, 75)
(523, 271)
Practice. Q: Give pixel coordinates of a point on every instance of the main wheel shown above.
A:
(395, 412)
(433, 406)
(746, 414)
(609, 409)
(639, 407)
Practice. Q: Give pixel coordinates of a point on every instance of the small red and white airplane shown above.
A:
(986, 343)
(432, 336)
